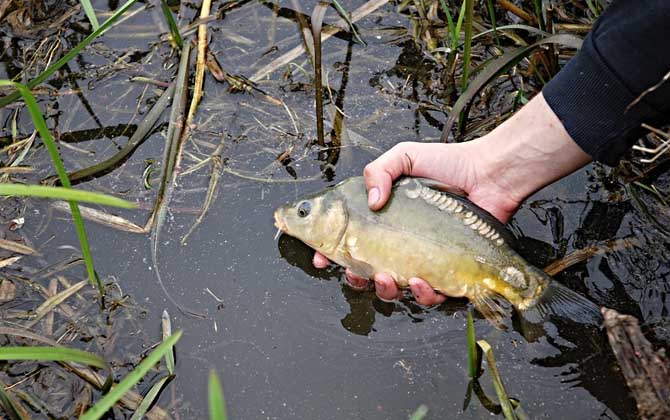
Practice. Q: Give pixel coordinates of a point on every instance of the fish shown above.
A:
(427, 230)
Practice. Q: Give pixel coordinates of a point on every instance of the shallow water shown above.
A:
(291, 341)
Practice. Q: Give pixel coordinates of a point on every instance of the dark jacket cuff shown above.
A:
(591, 102)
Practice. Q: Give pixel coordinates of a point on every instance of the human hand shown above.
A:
(497, 171)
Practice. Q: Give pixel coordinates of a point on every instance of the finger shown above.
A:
(423, 293)
(356, 282)
(380, 174)
(386, 288)
(320, 261)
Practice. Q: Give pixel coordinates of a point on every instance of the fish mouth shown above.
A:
(279, 222)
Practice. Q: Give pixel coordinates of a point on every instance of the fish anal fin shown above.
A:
(492, 306)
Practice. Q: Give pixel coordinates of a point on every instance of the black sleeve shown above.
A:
(625, 54)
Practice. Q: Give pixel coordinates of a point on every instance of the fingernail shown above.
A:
(373, 196)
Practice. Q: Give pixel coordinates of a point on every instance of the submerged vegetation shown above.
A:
(472, 64)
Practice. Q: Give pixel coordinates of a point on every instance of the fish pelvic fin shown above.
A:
(492, 306)
(563, 302)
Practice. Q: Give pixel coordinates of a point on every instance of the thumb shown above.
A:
(380, 174)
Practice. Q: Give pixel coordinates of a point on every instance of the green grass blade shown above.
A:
(450, 21)
(58, 354)
(592, 7)
(6, 100)
(459, 23)
(174, 29)
(8, 405)
(101, 407)
(149, 398)
(90, 13)
(497, 67)
(473, 356)
(467, 45)
(64, 194)
(45, 135)
(538, 13)
(492, 15)
(217, 404)
(505, 403)
(419, 413)
(345, 16)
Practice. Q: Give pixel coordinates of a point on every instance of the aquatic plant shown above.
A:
(62, 354)
(217, 405)
(477, 349)
(6, 100)
(90, 13)
(45, 134)
(172, 25)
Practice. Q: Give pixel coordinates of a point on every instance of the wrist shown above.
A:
(529, 151)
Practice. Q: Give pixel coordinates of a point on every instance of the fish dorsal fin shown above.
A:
(436, 185)
(493, 306)
(445, 199)
(439, 186)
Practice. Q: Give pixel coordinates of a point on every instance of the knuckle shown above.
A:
(368, 170)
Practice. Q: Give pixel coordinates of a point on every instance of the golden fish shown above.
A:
(428, 232)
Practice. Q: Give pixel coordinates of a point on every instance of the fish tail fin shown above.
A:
(563, 302)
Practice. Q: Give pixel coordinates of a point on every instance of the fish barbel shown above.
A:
(428, 232)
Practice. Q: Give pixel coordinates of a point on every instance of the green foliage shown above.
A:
(70, 54)
(174, 29)
(492, 15)
(90, 13)
(467, 45)
(8, 405)
(217, 404)
(419, 413)
(101, 407)
(59, 193)
(346, 18)
(505, 403)
(45, 135)
(61, 354)
(149, 399)
(497, 67)
(450, 21)
(473, 356)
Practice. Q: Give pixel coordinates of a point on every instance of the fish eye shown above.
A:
(304, 208)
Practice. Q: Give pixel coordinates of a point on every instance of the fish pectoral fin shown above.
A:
(358, 267)
(493, 306)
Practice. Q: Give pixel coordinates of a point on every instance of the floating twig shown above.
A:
(135, 140)
(217, 165)
(101, 217)
(16, 247)
(579, 255)
(175, 129)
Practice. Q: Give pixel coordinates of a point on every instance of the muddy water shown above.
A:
(291, 341)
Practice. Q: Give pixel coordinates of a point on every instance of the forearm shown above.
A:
(528, 151)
